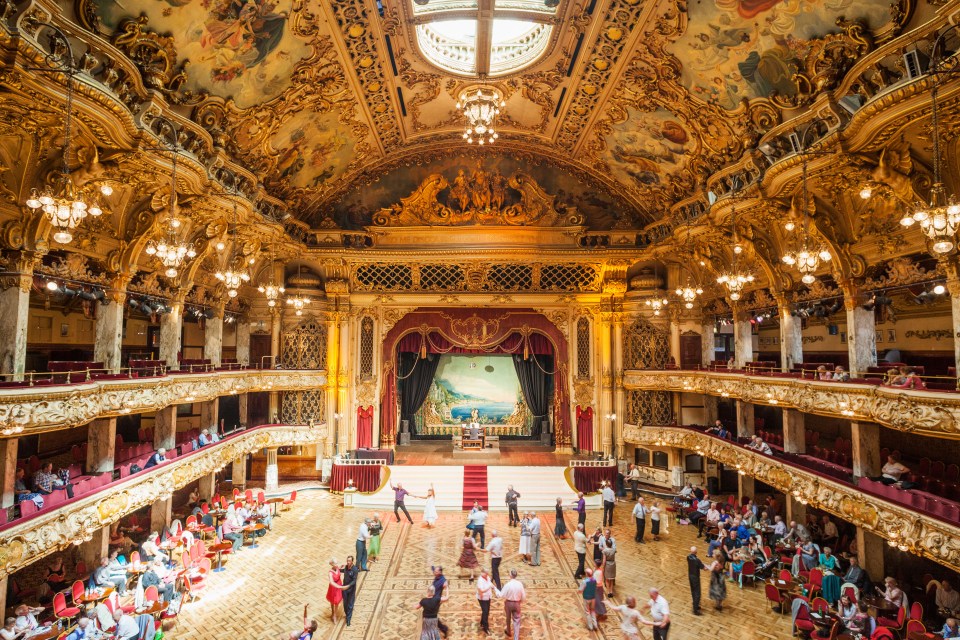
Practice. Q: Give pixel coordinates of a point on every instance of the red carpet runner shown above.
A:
(474, 486)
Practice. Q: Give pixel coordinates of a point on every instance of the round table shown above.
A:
(881, 605)
(97, 596)
(275, 502)
(154, 609)
(252, 530)
(218, 549)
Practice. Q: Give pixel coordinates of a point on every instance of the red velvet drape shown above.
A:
(585, 428)
(364, 427)
(474, 331)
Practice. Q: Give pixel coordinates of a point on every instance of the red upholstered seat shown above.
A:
(61, 610)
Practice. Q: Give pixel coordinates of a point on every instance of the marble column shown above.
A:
(861, 332)
(213, 337)
(207, 485)
(8, 471)
(101, 445)
(796, 510)
(209, 415)
(791, 338)
(239, 472)
(165, 428)
(794, 436)
(870, 553)
(243, 407)
(160, 514)
(745, 419)
(742, 337)
(275, 331)
(109, 332)
(675, 332)
(243, 342)
(707, 342)
(171, 332)
(98, 547)
(14, 312)
(866, 449)
(272, 479)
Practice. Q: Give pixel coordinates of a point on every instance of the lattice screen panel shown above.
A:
(509, 277)
(383, 277)
(442, 277)
(300, 407)
(366, 348)
(305, 347)
(568, 277)
(645, 346)
(583, 348)
(649, 407)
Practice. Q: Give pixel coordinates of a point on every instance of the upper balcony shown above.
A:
(928, 412)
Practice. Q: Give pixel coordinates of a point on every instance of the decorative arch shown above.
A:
(646, 346)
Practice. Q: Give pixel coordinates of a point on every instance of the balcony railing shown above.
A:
(30, 540)
(934, 413)
(897, 523)
(25, 410)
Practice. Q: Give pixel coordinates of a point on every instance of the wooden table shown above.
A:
(253, 530)
(218, 549)
(49, 634)
(275, 502)
(97, 596)
(154, 609)
(880, 604)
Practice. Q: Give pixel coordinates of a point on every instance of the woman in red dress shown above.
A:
(335, 590)
(468, 557)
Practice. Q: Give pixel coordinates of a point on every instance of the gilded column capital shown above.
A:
(12, 280)
(117, 291)
(852, 293)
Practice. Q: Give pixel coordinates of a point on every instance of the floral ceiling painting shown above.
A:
(737, 49)
(244, 50)
(647, 147)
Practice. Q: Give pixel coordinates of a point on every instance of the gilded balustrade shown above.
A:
(932, 413)
(29, 410)
(22, 544)
(901, 527)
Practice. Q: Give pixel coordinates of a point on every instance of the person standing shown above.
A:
(376, 529)
(629, 618)
(349, 573)
(660, 612)
(640, 515)
(718, 583)
(362, 538)
(580, 547)
(399, 493)
(441, 588)
(430, 508)
(468, 554)
(609, 498)
(588, 588)
(484, 592)
(525, 538)
(495, 549)
(478, 518)
(431, 615)
(535, 540)
(694, 567)
(581, 509)
(634, 479)
(655, 512)
(560, 528)
(513, 595)
(335, 589)
(512, 500)
(609, 566)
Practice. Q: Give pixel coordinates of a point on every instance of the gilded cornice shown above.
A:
(25, 543)
(929, 413)
(911, 531)
(35, 409)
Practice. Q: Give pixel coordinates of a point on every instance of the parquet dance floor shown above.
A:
(262, 592)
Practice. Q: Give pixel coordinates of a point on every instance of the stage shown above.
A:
(511, 453)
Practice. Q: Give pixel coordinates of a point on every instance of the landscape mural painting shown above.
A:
(482, 389)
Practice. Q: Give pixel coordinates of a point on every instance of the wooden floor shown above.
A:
(262, 592)
(438, 452)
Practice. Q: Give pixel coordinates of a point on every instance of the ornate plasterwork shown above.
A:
(36, 409)
(911, 531)
(37, 537)
(926, 412)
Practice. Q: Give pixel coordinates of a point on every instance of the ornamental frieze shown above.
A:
(34, 409)
(37, 537)
(925, 412)
(908, 530)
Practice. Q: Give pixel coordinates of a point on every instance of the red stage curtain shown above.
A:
(588, 479)
(366, 477)
(364, 427)
(585, 428)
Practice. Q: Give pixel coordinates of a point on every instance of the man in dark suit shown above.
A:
(349, 573)
(156, 458)
(694, 567)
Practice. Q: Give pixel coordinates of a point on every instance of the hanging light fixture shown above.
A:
(233, 277)
(271, 290)
(298, 302)
(940, 218)
(169, 247)
(688, 293)
(809, 254)
(658, 304)
(64, 204)
(480, 107)
(737, 277)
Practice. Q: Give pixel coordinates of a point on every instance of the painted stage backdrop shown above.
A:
(482, 389)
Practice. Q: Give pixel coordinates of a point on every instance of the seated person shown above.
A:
(950, 629)
(710, 519)
(232, 528)
(262, 514)
(809, 555)
(206, 437)
(700, 512)
(9, 631)
(150, 549)
(892, 593)
(45, 480)
(855, 575)
(699, 493)
(731, 364)
(892, 471)
(158, 457)
(22, 492)
(822, 374)
(847, 610)
(840, 374)
(198, 509)
(156, 576)
(474, 431)
(757, 444)
(796, 533)
(82, 631)
(26, 618)
(827, 560)
(829, 535)
(948, 599)
(127, 627)
(718, 430)
(105, 577)
(912, 380)
(894, 378)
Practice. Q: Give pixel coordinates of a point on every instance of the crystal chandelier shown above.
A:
(169, 248)
(737, 278)
(272, 292)
(940, 219)
(65, 205)
(688, 293)
(480, 107)
(808, 257)
(657, 304)
(298, 302)
(232, 278)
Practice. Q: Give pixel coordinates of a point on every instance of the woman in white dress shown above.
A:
(525, 538)
(430, 508)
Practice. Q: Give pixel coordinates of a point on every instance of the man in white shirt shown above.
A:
(580, 546)
(779, 528)
(660, 612)
(478, 517)
(634, 478)
(535, 540)
(513, 594)
(948, 598)
(495, 549)
(609, 497)
(127, 628)
(640, 515)
(362, 538)
(26, 618)
(484, 591)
